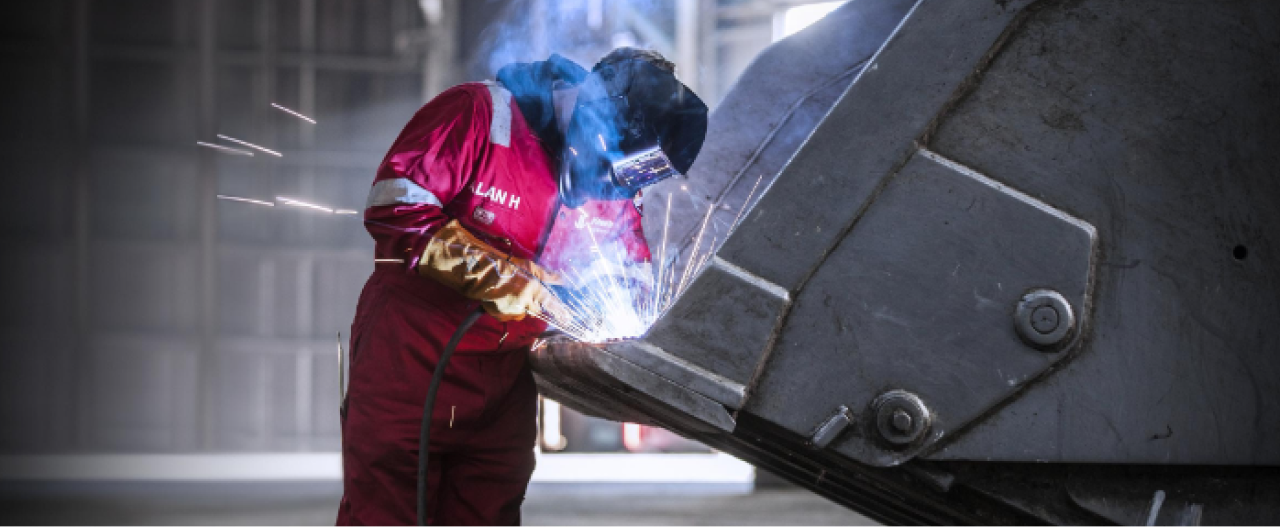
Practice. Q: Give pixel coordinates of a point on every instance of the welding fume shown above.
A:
(503, 210)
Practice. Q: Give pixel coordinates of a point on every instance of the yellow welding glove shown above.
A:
(509, 287)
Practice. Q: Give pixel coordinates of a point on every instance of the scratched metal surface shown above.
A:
(1159, 123)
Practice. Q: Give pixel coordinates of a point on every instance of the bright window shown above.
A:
(799, 17)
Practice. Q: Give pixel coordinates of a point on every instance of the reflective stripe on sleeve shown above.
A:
(500, 127)
(400, 191)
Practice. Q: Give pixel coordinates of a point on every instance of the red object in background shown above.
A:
(466, 155)
(633, 436)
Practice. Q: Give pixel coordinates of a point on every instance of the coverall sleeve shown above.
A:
(631, 234)
(431, 162)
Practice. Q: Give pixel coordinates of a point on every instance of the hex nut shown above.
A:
(1044, 320)
(901, 418)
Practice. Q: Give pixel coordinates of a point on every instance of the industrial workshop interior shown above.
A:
(640, 262)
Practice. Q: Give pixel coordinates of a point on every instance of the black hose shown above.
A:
(424, 438)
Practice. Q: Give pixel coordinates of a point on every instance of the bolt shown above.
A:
(1044, 319)
(901, 420)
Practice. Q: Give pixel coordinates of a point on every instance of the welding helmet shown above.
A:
(633, 125)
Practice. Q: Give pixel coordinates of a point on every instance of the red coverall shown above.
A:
(467, 155)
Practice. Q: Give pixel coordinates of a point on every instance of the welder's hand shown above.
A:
(509, 287)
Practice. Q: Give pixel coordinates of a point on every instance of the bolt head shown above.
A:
(1044, 319)
(901, 420)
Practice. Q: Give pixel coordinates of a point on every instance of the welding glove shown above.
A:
(508, 287)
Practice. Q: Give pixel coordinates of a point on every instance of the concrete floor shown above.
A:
(314, 503)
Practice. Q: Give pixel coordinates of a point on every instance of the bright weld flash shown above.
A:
(606, 308)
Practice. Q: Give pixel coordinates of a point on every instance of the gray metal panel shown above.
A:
(134, 399)
(732, 347)
(32, 389)
(677, 370)
(920, 297)
(869, 133)
(614, 376)
(1157, 122)
(768, 113)
(122, 259)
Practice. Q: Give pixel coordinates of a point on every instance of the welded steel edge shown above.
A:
(680, 372)
(625, 380)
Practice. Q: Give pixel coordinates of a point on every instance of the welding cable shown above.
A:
(424, 438)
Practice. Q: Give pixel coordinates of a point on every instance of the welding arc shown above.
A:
(428, 407)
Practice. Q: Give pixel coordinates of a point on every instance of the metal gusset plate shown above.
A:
(917, 320)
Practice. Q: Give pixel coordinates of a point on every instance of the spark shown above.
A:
(345, 211)
(246, 200)
(388, 260)
(250, 145)
(750, 195)
(696, 243)
(575, 152)
(225, 149)
(662, 258)
(602, 145)
(342, 373)
(296, 203)
(293, 113)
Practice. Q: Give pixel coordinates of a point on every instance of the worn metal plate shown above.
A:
(921, 297)
(729, 346)
(629, 387)
(681, 372)
(774, 105)
(1159, 123)
(868, 134)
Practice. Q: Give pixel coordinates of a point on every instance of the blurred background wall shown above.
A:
(141, 314)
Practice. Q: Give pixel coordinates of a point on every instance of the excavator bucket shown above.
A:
(1012, 262)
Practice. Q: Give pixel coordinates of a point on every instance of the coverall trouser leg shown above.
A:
(482, 435)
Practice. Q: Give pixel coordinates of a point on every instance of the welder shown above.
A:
(485, 202)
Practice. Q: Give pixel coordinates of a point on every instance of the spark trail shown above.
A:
(250, 145)
(293, 113)
(246, 200)
(226, 149)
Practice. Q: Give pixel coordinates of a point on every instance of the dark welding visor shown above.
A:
(643, 169)
(634, 125)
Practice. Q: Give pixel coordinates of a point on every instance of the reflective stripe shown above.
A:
(500, 126)
(400, 191)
